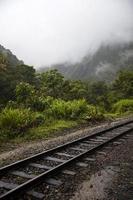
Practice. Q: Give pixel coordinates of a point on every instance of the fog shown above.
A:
(44, 32)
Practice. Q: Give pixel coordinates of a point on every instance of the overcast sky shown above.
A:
(43, 32)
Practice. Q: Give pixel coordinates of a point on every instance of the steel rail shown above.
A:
(45, 153)
(40, 178)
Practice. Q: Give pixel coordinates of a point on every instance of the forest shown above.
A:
(34, 105)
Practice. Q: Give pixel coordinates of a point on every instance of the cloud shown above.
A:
(44, 32)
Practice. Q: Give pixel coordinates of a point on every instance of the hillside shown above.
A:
(12, 71)
(102, 65)
(11, 58)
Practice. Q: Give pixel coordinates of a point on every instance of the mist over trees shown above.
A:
(29, 99)
(101, 65)
(53, 83)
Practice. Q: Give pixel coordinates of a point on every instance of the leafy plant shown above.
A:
(14, 121)
(122, 106)
(68, 109)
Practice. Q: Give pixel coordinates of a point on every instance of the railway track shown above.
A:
(22, 176)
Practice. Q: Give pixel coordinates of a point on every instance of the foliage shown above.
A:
(41, 104)
(52, 83)
(77, 90)
(68, 109)
(94, 113)
(124, 105)
(123, 84)
(14, 121)
(10, 76)
(98, 93)
(24, 93)
(49, 129)
(28, 99)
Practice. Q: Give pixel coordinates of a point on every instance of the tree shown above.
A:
(10, 76)
(24, 93)
(77, 90)
(25, 73)
(52, 83)
(98, 94)
(123, 84)
(5, 83)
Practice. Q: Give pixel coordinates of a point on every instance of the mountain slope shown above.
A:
(102, 65)
(12, 72)
(11, 58)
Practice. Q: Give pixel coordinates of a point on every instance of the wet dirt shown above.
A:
(95, 188)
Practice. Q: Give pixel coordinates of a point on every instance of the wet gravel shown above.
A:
(13, 179)
(12, 153)
(119, 187)
(115, 155)
(19, 151)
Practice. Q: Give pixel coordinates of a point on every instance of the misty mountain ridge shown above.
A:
(102, 65)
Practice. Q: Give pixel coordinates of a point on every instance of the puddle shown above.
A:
(95, 188)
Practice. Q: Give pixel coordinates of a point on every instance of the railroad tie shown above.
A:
(52, 181)
(90, 159)
(82, 164)
(65, 154)
(8, 186)
(77, 149)
(68, 172)
(40, 166)
(23, 174)
(54, 159)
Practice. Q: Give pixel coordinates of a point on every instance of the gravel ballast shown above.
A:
(28, 149)
(109, 171)
(108, 177)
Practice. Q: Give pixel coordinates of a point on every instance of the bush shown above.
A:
(14, 121)
(122, 106)
(76, 109)
(68, 109)
(94, 113)
(41, 103)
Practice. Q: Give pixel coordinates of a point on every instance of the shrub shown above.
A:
(77, 108)
(41, 103)
(14, 121)
(68, 109)
(122, 106)
(94, 113)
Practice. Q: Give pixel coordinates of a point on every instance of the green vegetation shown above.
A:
(48, 129)
(123, 106)
(34, 106)
(15, 122)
